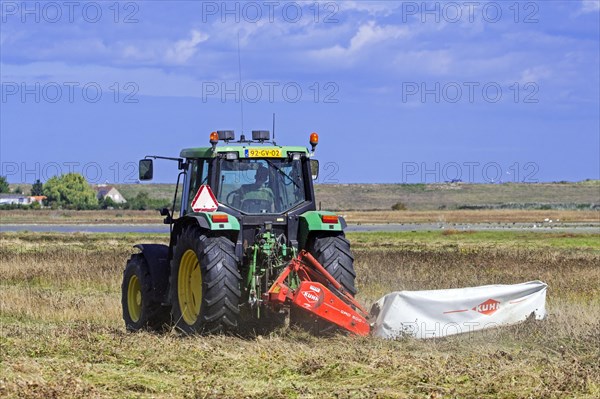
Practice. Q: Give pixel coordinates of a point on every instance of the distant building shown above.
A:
(20, 199)
(38, 198)
(103, 191)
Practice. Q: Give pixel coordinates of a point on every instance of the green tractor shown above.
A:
(247, 209)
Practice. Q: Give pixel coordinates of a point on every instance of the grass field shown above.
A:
(48, 216)
(62, 336)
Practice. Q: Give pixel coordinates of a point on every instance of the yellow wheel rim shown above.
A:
(189, 287)
(134, 298)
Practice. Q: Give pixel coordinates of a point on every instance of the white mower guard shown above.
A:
(439, 313)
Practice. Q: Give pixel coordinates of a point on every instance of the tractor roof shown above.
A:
(244, 151)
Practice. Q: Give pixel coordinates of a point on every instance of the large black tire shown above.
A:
(204, 284)
(141, 310)
(334, 254)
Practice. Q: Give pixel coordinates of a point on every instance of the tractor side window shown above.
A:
(198, 175)
(292, 186)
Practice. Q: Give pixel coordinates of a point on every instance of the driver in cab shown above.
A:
(256, 197)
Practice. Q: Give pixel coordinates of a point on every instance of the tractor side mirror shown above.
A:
(314, 168)
(167, 214)
(146, 169)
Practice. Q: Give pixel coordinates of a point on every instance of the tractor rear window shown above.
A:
(256, 186)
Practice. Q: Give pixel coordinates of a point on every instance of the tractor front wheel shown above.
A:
(140, 309)
(204, 283)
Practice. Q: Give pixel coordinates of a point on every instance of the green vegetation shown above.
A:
(142, 202)
(70, 191)
(37, 188)
(155, 191)
(4, 188)
(399, 206)
(62, 333)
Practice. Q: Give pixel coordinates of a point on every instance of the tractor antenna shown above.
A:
(274, 129)
(241, 90)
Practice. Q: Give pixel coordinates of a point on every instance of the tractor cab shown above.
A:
(250, 178)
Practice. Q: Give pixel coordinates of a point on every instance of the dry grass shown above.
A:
(49, 216)
(61, 333)
(453, 196)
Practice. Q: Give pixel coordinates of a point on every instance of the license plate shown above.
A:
(263, 153)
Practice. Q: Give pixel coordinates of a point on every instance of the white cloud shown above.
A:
(367, 36)
(535, 74)
(183, 50)
(590, 6)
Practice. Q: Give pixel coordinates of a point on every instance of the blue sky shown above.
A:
(398, 91)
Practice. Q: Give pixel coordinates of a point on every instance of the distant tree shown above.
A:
(399, 206)
(3, 185)
(18, 190)
(70, 191)
(108, 203)
(37, 188)
(140, 202)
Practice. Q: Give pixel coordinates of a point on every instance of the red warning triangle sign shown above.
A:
(205, 200)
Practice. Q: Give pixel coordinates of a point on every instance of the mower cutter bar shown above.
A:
(313, 296)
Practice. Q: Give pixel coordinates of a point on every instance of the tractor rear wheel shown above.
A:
(141, 310)
(204, 283)
(334, 254)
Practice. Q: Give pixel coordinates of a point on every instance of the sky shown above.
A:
(399, 92)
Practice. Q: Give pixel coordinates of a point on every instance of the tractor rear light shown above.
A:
(232, 155)
(219, 218)
(214, 138)
(330, 219)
